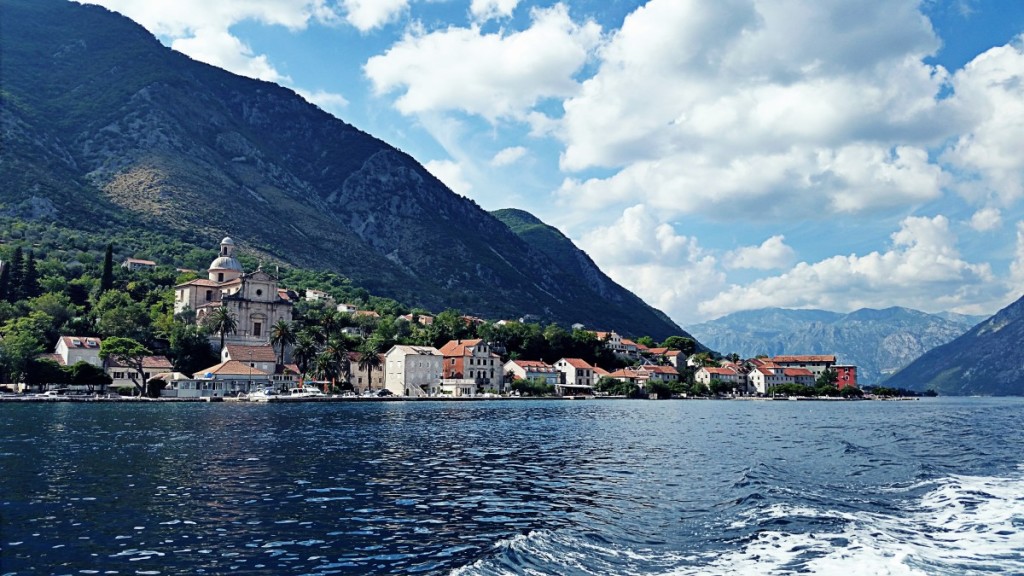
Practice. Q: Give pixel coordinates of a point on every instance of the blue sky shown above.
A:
(711, 156)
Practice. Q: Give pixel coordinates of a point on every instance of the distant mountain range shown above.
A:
(104, 128)
(987, 360)
(879, 342)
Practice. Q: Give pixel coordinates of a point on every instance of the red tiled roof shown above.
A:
(155, 362)
(241, 352)
(806, 358)
(52, 356)
(661, 369)
(577, 362)
(724, 371)
(83, 342)
(658, 350)
(531, 364)
(231, 368)
(458, 347)
(140, 261)
(797, 372)
(205, 282)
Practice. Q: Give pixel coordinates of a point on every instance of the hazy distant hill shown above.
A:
(879, 342)
(987, 360)
(104, 128)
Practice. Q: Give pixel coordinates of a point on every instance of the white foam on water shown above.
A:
(961, 525)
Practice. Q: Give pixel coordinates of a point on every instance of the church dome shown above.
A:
(226, 263)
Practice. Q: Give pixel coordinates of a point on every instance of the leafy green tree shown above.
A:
(128, 353)
(42, 371)
(221, 321)
(685, 345)
(189, 348)
(532, 387)
(118, 315)
(646, 341)
(829, 377)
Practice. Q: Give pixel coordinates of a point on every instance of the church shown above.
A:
(252, 299)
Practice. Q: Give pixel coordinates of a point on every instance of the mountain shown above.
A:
(878, 342)
(104, 128)
(987, 360)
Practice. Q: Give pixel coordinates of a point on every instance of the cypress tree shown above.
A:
(5, 279)
(17, 267)
(30, 278)
(107, 278)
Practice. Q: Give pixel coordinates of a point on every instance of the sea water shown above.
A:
(925, 487)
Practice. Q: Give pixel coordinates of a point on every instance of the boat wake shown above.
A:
(954, 525)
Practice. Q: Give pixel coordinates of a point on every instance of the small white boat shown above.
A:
(264, 395)
(304, 392)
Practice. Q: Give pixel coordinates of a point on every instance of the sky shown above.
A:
(712, 156)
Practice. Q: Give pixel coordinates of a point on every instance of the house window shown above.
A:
(209, 295)
(257, 329)
(259, 292)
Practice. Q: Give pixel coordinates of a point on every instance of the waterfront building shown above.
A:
(473, 365)
(816, 363)
(577, 376)
(532, 370)
(413, 370)
(151, 366)
(71, 350)
(847, 376)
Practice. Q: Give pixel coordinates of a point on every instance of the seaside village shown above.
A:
(250, 365)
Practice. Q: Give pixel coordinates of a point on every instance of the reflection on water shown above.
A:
(490, 487)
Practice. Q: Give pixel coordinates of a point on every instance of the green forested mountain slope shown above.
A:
(104, 128)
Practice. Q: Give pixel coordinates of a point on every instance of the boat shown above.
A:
(263, 395)
(304, 392)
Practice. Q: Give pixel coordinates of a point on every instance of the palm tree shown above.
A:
(281, 334)
(304, 353)
(221, 321)
(369, 359)
(334, 357)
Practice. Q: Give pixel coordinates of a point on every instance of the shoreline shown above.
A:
(357, 399)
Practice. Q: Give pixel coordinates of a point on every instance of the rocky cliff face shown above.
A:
(103, 126)
(879, 342)
(987, 360)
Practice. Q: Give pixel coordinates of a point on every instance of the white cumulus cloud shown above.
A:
(451, 173)
(509, 155)
(771, 254)
(923, 270)
(668, 270)
(986, 219)
(499, 75)
(483, 10)
(369, 14)
(201, 29)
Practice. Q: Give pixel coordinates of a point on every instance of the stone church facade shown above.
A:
(252, 299)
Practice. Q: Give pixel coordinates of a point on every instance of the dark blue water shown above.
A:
(520, 487)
